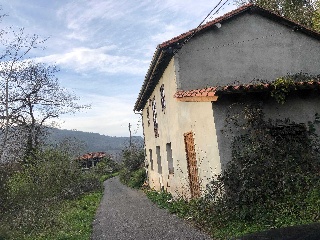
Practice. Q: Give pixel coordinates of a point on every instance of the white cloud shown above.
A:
(105, 117)
(80, 16)
(167, 32)
(107, 41)
(80, 13)
(83, 59)
(198, 10)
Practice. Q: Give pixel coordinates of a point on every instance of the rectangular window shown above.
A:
(169, 158)
(159, 159)
(155, 118)
(151, 160)
(162, 97)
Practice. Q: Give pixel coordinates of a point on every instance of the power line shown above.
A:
(226, 44)
(175, 51)
(219, 9)
(197, 29)
(210, 13)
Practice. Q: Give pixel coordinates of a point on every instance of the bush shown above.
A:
(134, 179)
(34, 189)
(133, 158)
(106, 166)
(137, 178)
(272, 179)
(124, 175)
(6, 172)
(133, 173)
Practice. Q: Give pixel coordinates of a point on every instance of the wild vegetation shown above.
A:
(51, 197)
(133, 172)
(305, 12)
(44, 194)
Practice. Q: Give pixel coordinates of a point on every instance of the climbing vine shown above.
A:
(282, 86)
(272, 160)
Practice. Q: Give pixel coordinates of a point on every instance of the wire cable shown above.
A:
(197, 29)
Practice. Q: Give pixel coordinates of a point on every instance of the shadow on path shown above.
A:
(125, 213)
(303, 232)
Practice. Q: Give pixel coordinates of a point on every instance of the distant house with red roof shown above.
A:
(91, 159)
(187, 91)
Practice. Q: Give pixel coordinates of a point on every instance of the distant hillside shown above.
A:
(94, 142)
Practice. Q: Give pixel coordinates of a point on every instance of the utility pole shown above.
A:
(130, 144)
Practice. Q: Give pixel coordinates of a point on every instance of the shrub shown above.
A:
(137, 178)
(35, 189)
(6, 172)
(106, 166)
(124, 175)
(275, 165)
(133, 158)
(133, 173)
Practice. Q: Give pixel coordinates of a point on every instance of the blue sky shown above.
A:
(103, 49)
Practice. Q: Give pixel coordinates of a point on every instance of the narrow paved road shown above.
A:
(128, 214)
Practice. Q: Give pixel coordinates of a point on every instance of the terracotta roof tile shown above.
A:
(230, 89)
(207, 25)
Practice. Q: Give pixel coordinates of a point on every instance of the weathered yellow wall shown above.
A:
(177, 119)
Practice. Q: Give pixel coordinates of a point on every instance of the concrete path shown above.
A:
(128, 214)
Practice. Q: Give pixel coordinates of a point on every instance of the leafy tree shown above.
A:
(305, 12)
(133, 173)
(39, 98)
(30, 96)
(316, 16)
(133, 158)
(14, 46)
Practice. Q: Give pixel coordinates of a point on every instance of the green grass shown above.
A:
(59, 220)
(75, 217)
(73, 221)
(107, 176)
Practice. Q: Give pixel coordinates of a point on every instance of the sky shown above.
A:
(103, 49)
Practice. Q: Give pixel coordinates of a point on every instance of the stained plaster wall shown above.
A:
(177, 119)
(296, 108)
(246, 48)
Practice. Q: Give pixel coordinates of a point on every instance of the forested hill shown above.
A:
(94, 142)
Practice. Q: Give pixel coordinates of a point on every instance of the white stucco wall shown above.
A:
(177, 119)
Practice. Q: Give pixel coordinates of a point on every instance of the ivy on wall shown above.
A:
(271, 161)
(282, 86)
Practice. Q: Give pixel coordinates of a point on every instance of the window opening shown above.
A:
(162, 95)
(155, 118)
(148, 116)
(159, 159)
(169, 158)
(151, 160)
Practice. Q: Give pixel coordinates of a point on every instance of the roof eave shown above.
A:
(162, 54)
(160, 60)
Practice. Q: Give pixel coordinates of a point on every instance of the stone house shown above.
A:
(194, 77)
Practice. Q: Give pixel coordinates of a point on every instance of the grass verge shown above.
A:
(225, 224)
(70, 219)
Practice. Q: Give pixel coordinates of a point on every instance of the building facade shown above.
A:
(195, 77)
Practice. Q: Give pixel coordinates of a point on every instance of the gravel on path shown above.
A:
(125, 213)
